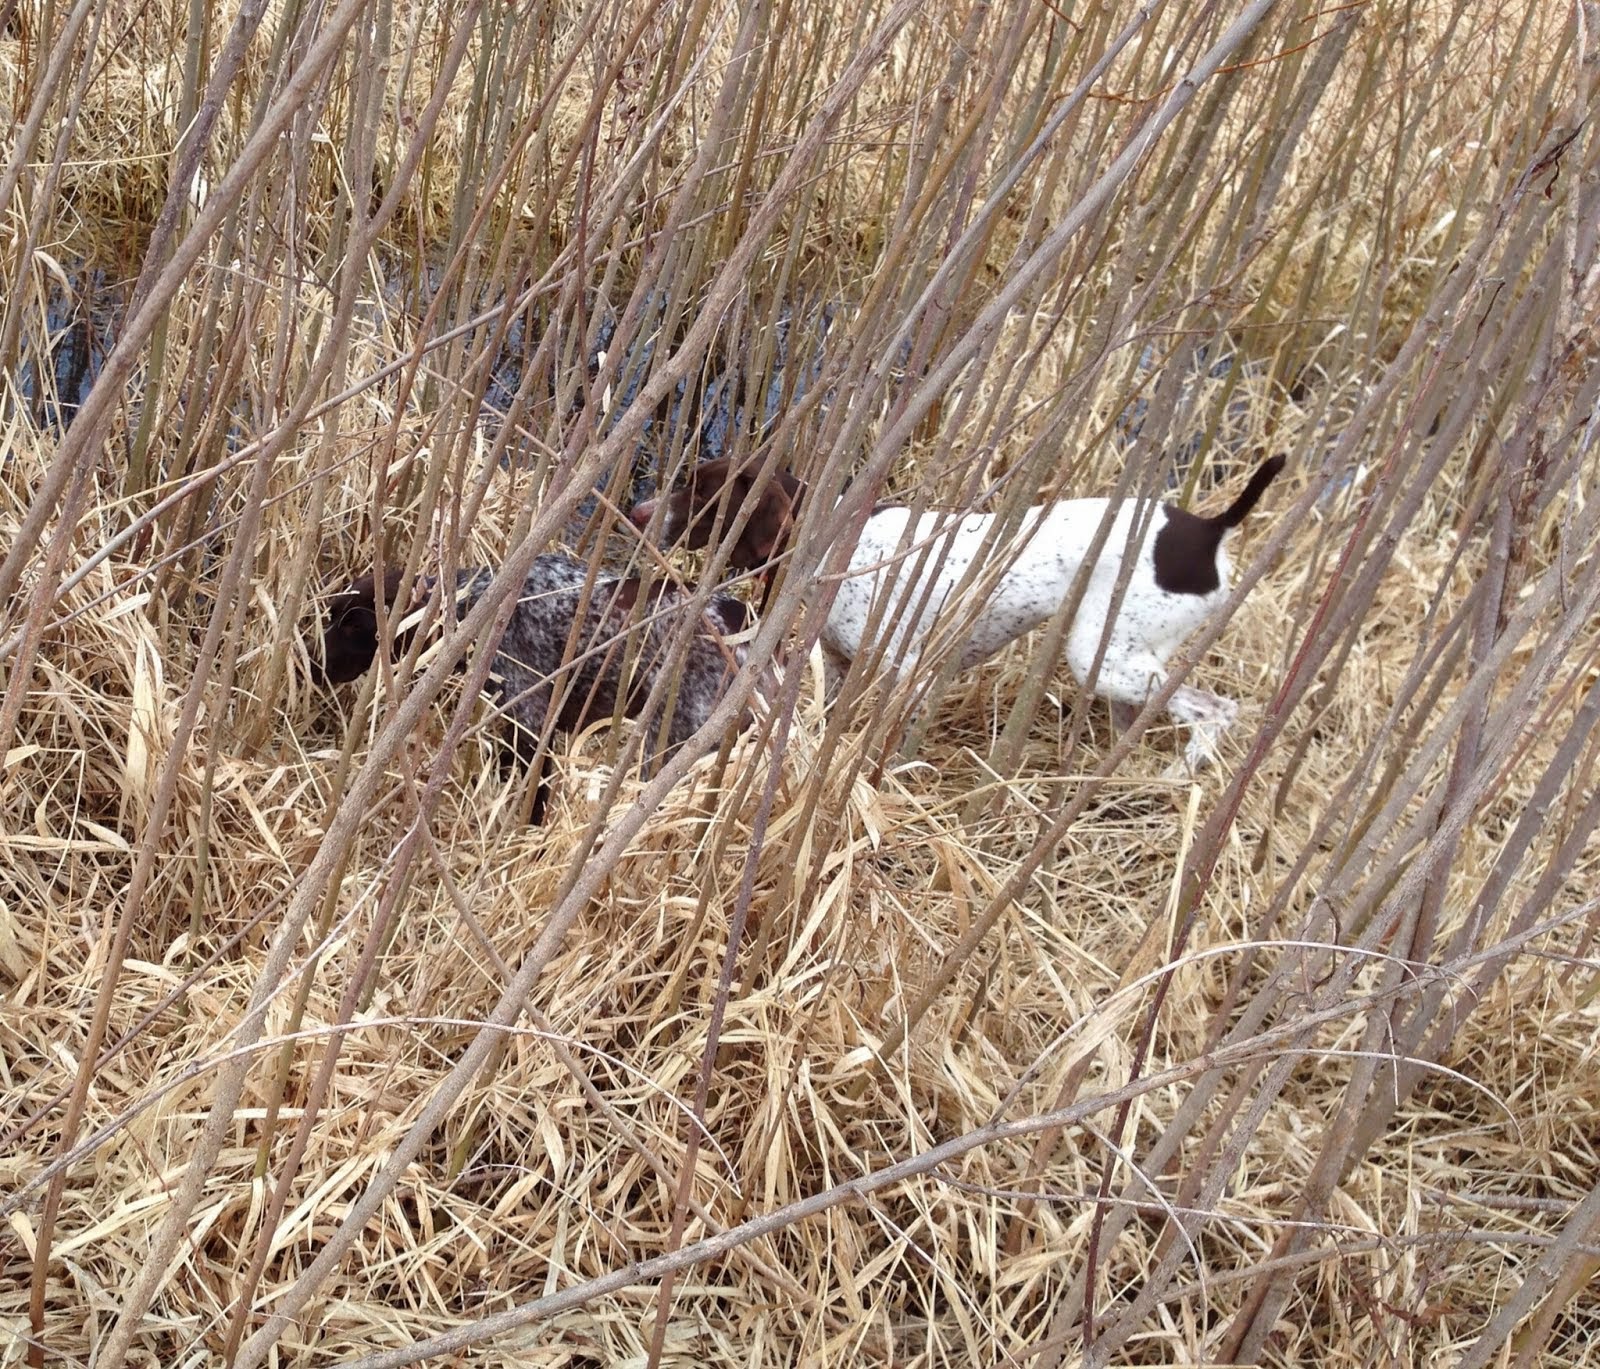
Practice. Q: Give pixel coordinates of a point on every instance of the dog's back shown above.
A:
(570, 640)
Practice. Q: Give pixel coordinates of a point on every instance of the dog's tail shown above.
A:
(1239, 510)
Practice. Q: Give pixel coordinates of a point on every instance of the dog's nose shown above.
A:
(641, 513)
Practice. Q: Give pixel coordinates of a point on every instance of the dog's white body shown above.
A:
(1151, 622)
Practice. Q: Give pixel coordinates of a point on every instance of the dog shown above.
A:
(1180, 576)
(613, 655)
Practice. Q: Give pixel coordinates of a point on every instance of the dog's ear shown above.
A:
(767, 533)
(356, 624)
(714, 494)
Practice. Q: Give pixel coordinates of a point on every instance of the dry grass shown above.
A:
(251, 933)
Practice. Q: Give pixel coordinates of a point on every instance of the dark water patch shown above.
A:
(732, 399)
(1231, 455)
(705, 415)
(59, 368)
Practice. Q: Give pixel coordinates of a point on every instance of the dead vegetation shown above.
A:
(967, 1042)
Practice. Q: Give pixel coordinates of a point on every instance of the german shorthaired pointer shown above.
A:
(611, 655)
(1180, 576)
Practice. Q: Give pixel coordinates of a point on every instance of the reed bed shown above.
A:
(949, 1037)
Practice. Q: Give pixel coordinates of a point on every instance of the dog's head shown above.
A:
(716, 491)
(350, 637)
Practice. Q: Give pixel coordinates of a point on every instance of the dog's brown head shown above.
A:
(350, 639)
(719, 488)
